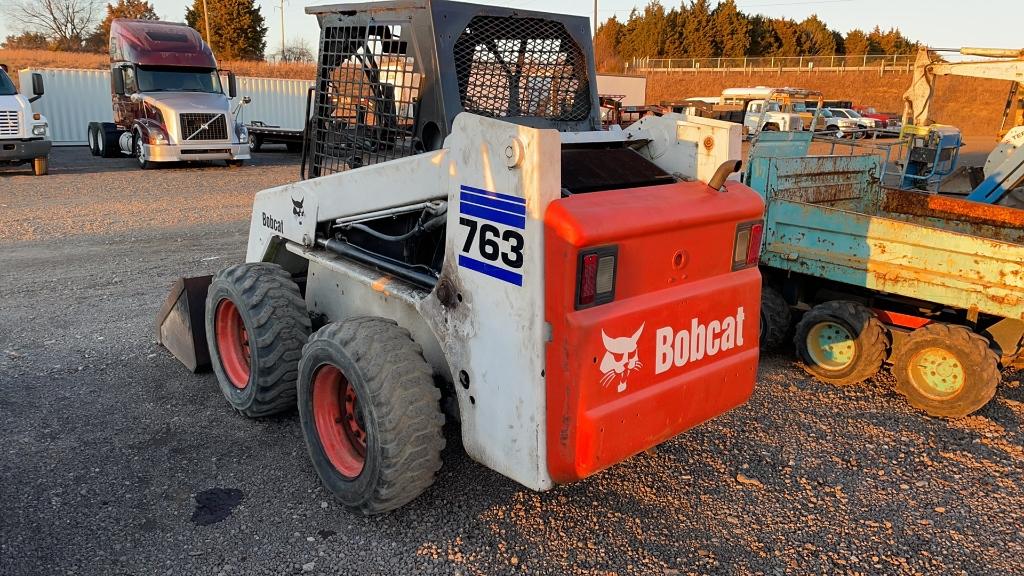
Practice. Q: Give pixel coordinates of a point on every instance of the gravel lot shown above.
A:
(115, 460)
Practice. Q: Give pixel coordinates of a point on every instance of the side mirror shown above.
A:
(246, 100)
(37, 86)
(4, 67)
(117, 76)
(232, 85)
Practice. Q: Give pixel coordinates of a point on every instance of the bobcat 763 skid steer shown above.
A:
(468, 237)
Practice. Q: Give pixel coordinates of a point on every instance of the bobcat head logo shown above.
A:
(620, 359)
(297, 208)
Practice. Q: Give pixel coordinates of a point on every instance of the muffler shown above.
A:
(181, 323)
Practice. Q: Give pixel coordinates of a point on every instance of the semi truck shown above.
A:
(168, 100)
(23, 133)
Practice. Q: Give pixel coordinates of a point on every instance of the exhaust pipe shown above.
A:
(728, 168)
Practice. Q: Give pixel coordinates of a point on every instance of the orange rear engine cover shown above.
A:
(677, 346)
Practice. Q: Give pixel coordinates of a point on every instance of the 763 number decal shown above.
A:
(494, 243)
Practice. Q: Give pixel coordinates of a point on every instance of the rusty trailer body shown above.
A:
(834, 232)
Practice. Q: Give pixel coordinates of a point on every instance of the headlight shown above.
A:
(243, 133)
(39, 130)
(158, 135)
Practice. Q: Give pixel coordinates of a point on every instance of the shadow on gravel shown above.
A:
(215, 504)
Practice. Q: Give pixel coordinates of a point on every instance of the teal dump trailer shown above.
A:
(932, 284)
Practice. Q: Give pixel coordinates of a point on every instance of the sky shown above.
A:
(937, 23)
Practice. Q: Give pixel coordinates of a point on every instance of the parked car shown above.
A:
(855, 121)
(891, 120)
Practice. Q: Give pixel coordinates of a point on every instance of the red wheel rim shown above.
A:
(338, 421)
(232, 343)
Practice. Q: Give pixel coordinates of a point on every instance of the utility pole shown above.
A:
(206, 20)
(595, 18)
(282, 29)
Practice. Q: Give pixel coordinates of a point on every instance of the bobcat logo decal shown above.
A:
(620, 359)
(297, 207)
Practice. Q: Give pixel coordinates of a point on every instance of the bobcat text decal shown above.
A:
(700, 340)
(672, 348)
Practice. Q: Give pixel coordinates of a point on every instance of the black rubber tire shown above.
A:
(108, 140)
(275, 319)
(399, 405)
(871, 341)
(776, 319)
(255, 143)
(980, 364)
(137, 151)
(41, 166)
(93, 136)
(294, 147)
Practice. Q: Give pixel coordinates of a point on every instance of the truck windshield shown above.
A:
(151, 79)
(6, 86)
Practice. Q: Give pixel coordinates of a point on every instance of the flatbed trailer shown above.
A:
(932, 284)
(261, 133)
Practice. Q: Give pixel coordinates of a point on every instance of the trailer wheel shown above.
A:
(946, 370)
(370, 414)
(41, 166)
(841, 342)
(93, 133)
(775, 319)
(256, 324)
(294, 147)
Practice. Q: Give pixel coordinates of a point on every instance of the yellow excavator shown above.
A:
(933, 147)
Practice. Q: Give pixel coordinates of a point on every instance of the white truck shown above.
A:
(22, 131)
(759, 108)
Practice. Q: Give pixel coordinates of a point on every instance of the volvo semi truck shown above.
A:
(168, 100)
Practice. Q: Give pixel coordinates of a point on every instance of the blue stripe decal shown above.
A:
(497, 195)
(489, 202)
(490, 270)
(496, 216)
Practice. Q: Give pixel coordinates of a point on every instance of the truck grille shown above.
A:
(9, 123)
(192, 122)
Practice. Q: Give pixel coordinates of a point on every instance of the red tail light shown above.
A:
(596, 276)
(747, 248)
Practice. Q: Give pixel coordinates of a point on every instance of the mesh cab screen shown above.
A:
(366, 98)
(512, 67)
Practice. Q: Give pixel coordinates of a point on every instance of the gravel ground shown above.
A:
(116, 460)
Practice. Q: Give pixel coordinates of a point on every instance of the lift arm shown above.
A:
(928, 66)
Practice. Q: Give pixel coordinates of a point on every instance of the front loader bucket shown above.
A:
(181, 326)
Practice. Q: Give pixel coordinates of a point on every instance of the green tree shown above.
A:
(137, 9)
(815, 38)
(674, 32)
(699, 31)
(644, 35)
(732, 30)
(607, 43)
(787, 38)
(858, 43)
(237, 28)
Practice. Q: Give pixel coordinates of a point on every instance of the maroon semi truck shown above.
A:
(168, 101)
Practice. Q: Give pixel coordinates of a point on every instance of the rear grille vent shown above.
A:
(199, 126)
(9, 122)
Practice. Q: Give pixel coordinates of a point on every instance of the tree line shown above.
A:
(237, 29)
(698, 30)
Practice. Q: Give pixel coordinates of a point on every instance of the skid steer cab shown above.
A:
(469, 242)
